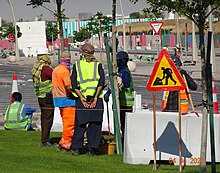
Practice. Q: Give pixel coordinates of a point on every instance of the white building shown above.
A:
(33, 36)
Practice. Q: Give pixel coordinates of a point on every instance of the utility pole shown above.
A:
(16, 33)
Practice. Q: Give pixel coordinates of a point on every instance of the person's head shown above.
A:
(122, 58)
(42, 51)
(87, 51)
(16, 96)
(176, 61)
(65, 59)
(43, 55)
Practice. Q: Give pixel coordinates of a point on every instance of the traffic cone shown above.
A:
(214, 95)
(164, 101)
(14, 86)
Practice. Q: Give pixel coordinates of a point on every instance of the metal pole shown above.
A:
(123, 23)
(16, 33)
(130, 40)
(210, 102)
(155, 131)
(114, 98)
(180, 138)
(186, 41)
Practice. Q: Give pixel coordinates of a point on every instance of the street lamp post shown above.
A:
(123, 23)
(16, 33)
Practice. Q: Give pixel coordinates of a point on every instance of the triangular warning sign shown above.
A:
(165, 76)
(156, 26)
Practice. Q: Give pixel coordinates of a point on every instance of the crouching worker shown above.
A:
(18, 116)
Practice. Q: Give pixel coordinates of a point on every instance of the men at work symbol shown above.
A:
(167, 74)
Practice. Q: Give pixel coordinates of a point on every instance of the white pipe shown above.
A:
(194, 48)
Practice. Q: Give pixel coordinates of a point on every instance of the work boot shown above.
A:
(93, 152)
(60, 148)
(46, 144)
(76, 152)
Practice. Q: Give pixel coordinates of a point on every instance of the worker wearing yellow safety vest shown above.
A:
(42, 77)
(170, 100)
(18, 116)
(88, 80)
(126, 88)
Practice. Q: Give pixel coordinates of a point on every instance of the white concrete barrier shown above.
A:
(57, 123)
(138, 145)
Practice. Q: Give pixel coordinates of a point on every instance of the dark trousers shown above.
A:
(123, 110)
(47, 114)
(93, 134)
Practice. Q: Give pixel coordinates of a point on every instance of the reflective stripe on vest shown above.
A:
(87, 77)
(126, 96)
(183, 101)
(13, 117)
(42, 88)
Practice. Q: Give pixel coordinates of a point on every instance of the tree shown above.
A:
(135, 15)
(197, 11)
(51, 31)
(99, 24)
(216, 14)
(58, 13)
(82, 34)
(8, 28)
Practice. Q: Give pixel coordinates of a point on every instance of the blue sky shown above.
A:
(72, 8)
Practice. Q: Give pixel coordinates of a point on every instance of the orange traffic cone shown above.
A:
(14, 86)
(214, 95)
(164, 101)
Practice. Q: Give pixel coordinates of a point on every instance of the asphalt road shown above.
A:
(25, 86)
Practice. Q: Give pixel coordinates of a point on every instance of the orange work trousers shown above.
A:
(68, 119)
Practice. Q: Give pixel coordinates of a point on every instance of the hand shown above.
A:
(84, 102)
(119, 82)
(93, 103)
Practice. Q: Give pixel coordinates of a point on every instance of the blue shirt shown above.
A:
(125, 76)
(27, 110)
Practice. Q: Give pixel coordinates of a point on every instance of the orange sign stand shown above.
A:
(165, 76)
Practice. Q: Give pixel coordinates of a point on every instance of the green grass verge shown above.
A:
(20, 152)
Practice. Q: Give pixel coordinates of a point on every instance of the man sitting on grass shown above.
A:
(18, 116)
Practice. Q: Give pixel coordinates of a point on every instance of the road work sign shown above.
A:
(165, 76)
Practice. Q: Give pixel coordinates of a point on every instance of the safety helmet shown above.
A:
(122, 58)
(87, 48)
(176, 61)
(42, 51)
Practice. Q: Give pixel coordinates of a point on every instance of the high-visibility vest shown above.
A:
(88, 77)
(42, 88)
(13, 119)
(60, 87)
(183, 101)
(126, 96)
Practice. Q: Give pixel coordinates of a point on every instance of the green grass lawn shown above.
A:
(20, 152)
